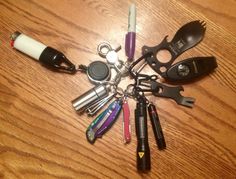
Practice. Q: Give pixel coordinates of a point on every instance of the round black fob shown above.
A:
(98, 71)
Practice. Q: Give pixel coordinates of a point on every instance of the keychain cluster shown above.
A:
(106, 76)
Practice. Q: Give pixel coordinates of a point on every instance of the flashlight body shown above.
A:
(143, 151)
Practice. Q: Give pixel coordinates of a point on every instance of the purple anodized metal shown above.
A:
(130, 39)
(110, 120)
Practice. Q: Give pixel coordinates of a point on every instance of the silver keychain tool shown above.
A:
(106, 50)
(95, 107)
(115, 91)
(94, 94)
(104, 47)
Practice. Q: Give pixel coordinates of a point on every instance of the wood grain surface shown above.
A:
(41, 136)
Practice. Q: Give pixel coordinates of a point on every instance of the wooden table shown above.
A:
(41, 135)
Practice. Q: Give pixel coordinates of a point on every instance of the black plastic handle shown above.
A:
(55, 60)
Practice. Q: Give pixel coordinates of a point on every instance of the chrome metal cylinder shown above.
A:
(90, 96)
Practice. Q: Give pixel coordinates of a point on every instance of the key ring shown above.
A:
(129, 91)
(132, 65)
(103, 49)
(119, 92)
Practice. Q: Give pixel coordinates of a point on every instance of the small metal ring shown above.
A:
(104, 46)
(120, 92)
(130, 91)
(153, 77)
(113, 87)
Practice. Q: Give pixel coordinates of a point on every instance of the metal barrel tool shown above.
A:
(96, 93)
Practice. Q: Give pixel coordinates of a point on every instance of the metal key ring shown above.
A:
(119, 92)
(130, 91)
(103, 49)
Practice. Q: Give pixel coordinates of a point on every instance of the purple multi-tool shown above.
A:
(103, 122)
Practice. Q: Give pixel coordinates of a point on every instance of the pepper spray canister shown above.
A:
(94, 94)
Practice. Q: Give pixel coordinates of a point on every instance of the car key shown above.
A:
(190, 69)
(156, 126)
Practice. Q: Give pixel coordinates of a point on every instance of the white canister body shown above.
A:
(29, 46)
